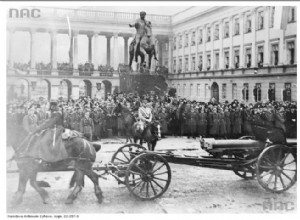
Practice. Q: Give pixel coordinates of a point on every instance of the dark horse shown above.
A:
(127, 118)
(79, 152)
(137, 129)
(146, 48)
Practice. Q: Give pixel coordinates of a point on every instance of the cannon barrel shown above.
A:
(213, 144)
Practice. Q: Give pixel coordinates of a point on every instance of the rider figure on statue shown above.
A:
(140, 26)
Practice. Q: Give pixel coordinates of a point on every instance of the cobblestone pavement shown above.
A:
(192, 189)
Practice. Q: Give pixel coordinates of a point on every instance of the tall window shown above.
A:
(208, 34)
(180, 66)
(248, 24)
(237, 58)
(224, 91)
(248, 57)
(275, 54)
(234, 91)
(272, 16)
(180, 41)
(257, 92)
(226, 29)
(291, 52)
(260, 57)
(193, 43)
(186, 64)
(206, 91)
(186, 41)
(208, 62)
(200, 66)
(193, 63)
(292, 14)
(236, 26)
(198, 90)
(226, 59)
(216, 32)
(260, 20)
(271, 92)
(200, 36)
(174, 43)
(245, 92)
(217, 57)
(174, 66)
(287, 92)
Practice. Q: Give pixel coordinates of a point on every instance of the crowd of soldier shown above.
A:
(96, 119)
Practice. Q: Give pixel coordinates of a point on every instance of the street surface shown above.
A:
(192, 189)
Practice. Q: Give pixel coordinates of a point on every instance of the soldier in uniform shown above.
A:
(227, 121)
(30, 121)
(96, 120)
(213, 122)
(87, 126)
(202, 122)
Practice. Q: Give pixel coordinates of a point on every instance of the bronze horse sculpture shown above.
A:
(144, 50)
(79, 152)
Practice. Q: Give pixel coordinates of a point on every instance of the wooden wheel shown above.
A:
(126, 153)
(148, 176)
(276, 168)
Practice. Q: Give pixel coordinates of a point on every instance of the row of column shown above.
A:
(221, 51)
(74, 51)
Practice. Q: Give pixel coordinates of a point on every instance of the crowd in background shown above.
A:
(97, 118)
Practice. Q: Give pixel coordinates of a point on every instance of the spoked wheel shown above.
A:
(276, 168)
(247, 172)
(126, 153)
(151, 176)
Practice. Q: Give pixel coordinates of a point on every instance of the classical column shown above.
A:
(116, 51)
(267, 40)
(126, 38)
(196, 52)
(212, 38)
(160, 51)
(231, 54)
(190, 52)
(182, 54)
(95, 54)
(10, 47)
(32, 51)
(221, 54)
(253, 27)
(177, 53)
(53, 35)
(108, 37)
(170, 55)
(90, 47)
(242, 49)
(204, 64)
(75, 54)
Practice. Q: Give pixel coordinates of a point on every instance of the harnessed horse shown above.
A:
(78, 150)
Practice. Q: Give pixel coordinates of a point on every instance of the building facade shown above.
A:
(244, 53)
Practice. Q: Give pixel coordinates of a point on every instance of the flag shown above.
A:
(71, 42)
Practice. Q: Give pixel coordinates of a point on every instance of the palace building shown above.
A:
(226, 53)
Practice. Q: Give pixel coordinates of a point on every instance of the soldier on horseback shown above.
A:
(140, 26)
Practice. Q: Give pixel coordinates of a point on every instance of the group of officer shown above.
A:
(97, 118)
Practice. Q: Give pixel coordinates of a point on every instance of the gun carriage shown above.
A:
(267, 156)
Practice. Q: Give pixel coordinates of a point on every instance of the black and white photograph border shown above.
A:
(149, 108)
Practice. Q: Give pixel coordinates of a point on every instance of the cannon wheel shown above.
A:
(151, 176)
(126, 153)
(247, 173)
(276, 168)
